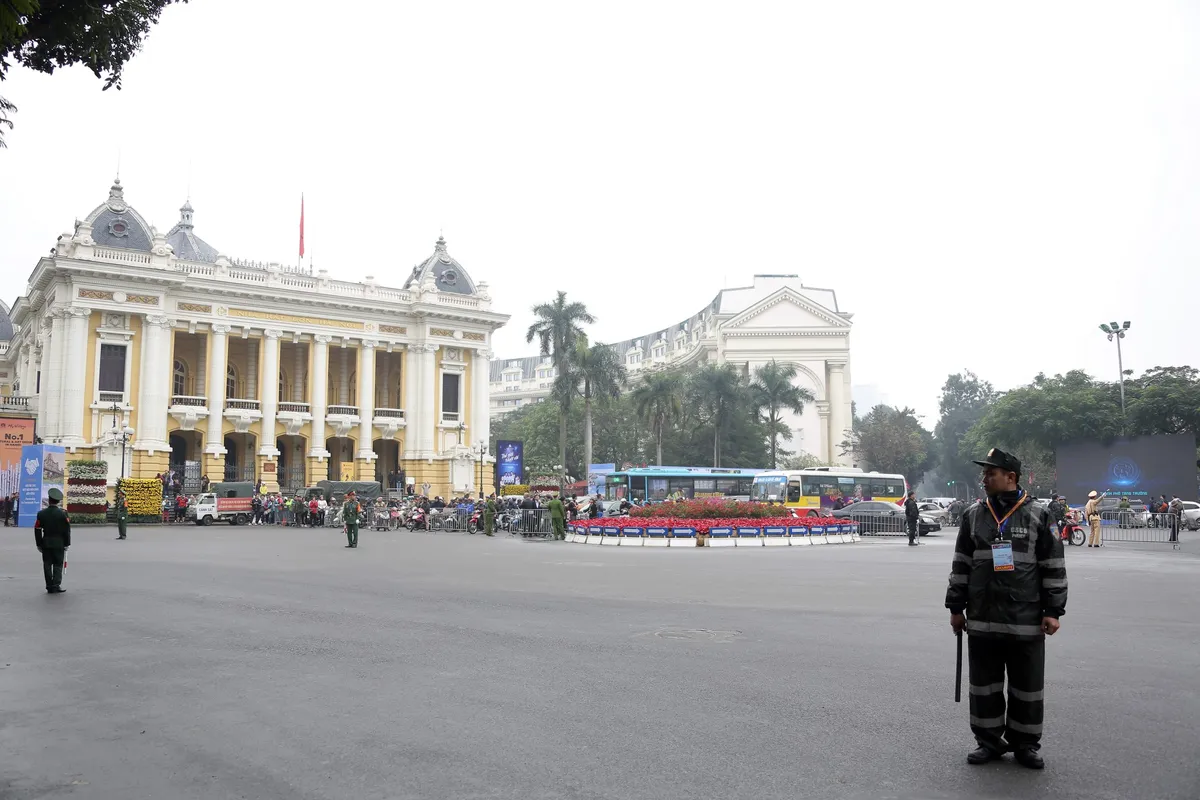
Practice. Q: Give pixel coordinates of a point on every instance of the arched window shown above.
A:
(230, 382)
(179, 381)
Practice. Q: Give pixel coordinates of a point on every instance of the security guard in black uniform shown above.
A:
(122, 514)
(52, 534)
(1009, 576)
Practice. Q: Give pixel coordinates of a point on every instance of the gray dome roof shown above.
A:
(6, 326)
(186, 244)
(116, 224)
(448, 274)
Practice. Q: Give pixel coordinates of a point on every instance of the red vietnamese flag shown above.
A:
(302, 224)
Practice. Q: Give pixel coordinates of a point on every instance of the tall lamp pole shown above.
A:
(481, 451)
(1117, 332)
(124, 432)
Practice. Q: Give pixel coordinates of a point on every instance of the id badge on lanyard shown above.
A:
(1002, 557)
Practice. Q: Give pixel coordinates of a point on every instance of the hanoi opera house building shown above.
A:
(239, 371)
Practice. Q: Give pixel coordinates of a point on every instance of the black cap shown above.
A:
(998, 458)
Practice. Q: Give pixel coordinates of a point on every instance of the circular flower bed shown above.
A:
(702, 526)
(712, 509)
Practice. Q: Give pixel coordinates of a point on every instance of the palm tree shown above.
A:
(659, 401)
(774, 393)
(595, 372)
(556, 329)
(717, 389)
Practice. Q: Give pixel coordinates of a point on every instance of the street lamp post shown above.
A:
(125, 432)
(480, 450)
(562, 479)
(1117, 332)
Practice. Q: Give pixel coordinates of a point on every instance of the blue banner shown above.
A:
(43, 467)
(510, 463)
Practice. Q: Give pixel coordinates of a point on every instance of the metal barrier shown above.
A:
(532, 522)
(1137, 526)
(879, 524)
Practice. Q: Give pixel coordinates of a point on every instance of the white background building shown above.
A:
(776, 317)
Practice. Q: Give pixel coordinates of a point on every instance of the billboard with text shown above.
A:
(510, 462)
(15, 433)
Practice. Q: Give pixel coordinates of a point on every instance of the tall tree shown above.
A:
(44, 35)
(891, 440)
(965, 399)
(659, 401)
(596, 372)
(717, 390)
(556, 330)
(774, 393)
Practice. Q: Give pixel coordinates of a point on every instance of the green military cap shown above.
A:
(55, 495)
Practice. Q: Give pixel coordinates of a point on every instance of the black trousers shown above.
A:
(52, 565)
(989, 657)
(911, 526)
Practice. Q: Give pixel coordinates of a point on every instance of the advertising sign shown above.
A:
(510, 462)
(1138, 468)
(597, 473)
(15, 433)
(42, 469)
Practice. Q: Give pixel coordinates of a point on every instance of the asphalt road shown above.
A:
(267, 663)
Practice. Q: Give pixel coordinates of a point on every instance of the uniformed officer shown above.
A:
(1009, 576)
(489, 515)
(912, 517)
(557, 517)
(350, 511)
(52, 534)
(122, 514)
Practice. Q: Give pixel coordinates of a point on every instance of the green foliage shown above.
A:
(659, 402)
(596, 372)
(1033, 420)
(774, 393)
(965, 399)
(891, 440)
(47, 34)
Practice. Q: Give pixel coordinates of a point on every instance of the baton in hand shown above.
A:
(958, 670)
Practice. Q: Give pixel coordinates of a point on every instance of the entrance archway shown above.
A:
(341, 451)
(387, 463)
(239, 456)
(185, 458)
(292, 478)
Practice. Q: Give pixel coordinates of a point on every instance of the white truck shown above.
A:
(234, 510)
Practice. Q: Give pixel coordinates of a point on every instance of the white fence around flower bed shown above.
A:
(770, 536)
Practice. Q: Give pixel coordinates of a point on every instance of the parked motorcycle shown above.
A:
(417, 520)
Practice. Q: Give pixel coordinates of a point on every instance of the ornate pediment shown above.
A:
(787, 309)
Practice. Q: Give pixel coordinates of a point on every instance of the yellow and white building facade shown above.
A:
(154, 352)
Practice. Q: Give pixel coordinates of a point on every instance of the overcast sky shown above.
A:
(981, 185)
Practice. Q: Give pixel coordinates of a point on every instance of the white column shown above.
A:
(411, 400)
(154, 376)
(343, 387)
(201, 374)
(366, 399)
(838, 415)
(270, 392)
(215, 440)
(431, 416)
(73, 396)
(52, 377)
(480, 424)
(829, 450)
(318, 381)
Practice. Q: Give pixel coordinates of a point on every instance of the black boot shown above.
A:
(982, 755)
(1028, 757)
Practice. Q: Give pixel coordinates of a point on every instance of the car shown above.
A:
(1191, 515)
(876, 516)
(937, 512)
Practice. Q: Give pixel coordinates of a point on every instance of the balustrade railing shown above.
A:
(393, 413)
(112, 397)
(242, 405)
(293, 408)
(15, 401)
(343, 410)
(188, 400)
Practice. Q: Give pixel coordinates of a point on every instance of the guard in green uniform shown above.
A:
(350, 511)
(122, 514)
(52, 535)
(489, 515)
(558, 518)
